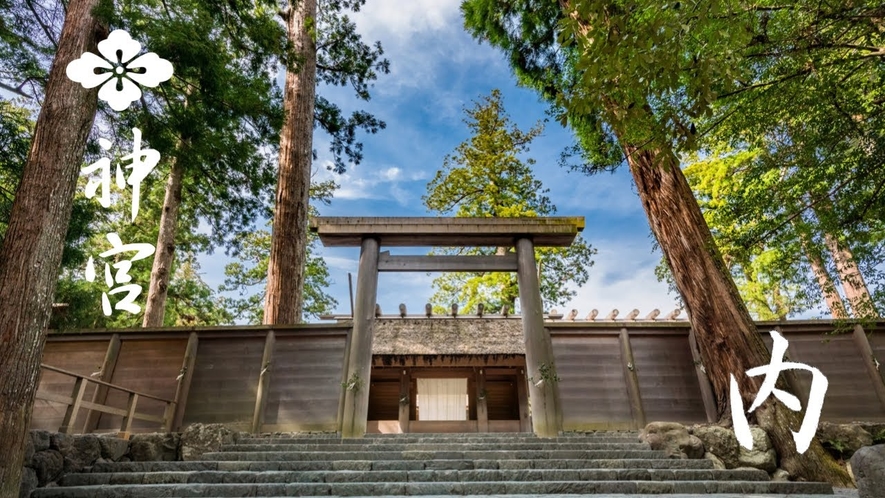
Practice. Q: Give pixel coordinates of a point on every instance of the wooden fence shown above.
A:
(614, 374)
(620, 375)
(290, 376)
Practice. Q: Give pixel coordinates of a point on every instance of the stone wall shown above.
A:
(719, 444)
(49, 456)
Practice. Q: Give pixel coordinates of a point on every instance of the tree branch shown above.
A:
(43, 25)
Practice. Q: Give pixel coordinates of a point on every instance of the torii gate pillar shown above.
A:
(359, 362)
(541, 370)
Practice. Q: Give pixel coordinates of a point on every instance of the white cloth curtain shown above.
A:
(442, 399)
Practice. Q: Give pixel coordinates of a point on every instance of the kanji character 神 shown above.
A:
(142, 163)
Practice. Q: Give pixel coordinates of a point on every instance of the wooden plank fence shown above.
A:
(615, 374)
(622, 374)
(208, 375)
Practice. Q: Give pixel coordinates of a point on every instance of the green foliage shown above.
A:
(219, 117)
(797, 86)
(16, 127)
(248, 275)
(488, 176)
(190, 301)
(344, 59)
(354, 383)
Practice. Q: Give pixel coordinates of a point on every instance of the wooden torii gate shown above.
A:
(522, 233)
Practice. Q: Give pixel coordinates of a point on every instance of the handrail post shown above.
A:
(169, 416)
(100, 396)
(126, 427)
(67, 425)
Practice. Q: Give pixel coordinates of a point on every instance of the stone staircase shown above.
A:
(423, 464)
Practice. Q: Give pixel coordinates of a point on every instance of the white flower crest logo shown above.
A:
(122, 70)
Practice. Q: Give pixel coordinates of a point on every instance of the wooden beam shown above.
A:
(870, 362)
(356, 397)
(263, 382)
(405, 385)
(703, 381)
(386, 262)
(184, 380)
(446, 232)
(100, 396)
(540, 365)
(633, 392)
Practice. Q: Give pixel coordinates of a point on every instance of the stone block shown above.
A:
(156, 447)
(48, 465)
(113, 448)
(720, 442)
(29, 482)
(673, 439)
(868, 466)
(198, 439)
(40, 439)
(842, 440)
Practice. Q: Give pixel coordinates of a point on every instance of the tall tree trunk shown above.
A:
(726, 334)
(853, 283)
(285, 272)
(824, 280)
(32, 248)
(155, 309)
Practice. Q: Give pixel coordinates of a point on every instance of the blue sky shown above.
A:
(436, 70)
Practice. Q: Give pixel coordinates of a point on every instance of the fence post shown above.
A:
(869, 361)
(703, 380)
(184, 381)
(67, 425)
(632, 380)
(263, 382)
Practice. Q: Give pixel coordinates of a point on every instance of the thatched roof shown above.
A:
(454, 336)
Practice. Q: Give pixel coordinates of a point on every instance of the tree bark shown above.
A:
(726, 334)
(32, 248)
(155, 308)
(286, 273)
(824, 280)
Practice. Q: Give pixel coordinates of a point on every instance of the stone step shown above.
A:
(245, 477)
(433, 440)
(495, 434)
(431, 488)
(432, 455)
(380, 465)
(448, 446)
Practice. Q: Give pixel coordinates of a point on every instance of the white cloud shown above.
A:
(622, 278)
(390, 174)
(421, 38)
(404, 19)
(372, 182)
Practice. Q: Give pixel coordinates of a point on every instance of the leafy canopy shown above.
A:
(488, 176)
